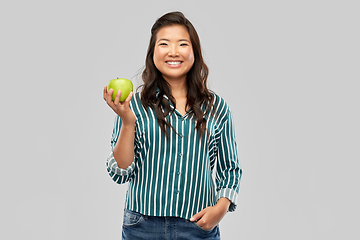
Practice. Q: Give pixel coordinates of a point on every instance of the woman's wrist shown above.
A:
(128, 125)
(223, 203)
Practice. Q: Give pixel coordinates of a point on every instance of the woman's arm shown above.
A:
(209, 217)
(123, 151)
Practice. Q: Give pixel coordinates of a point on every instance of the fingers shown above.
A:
(117, 98)
(108, 96)
(120, 108)
(198, 215)
(128, 99)
(105, 93)
(109, 101)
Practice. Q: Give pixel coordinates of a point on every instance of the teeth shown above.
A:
(174, 63)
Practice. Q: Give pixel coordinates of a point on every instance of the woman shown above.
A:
(168, 139)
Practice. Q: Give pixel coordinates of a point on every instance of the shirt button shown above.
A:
(180, 154)
(178, 173)
(177, 191)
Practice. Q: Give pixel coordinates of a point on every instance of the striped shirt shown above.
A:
(181, 175)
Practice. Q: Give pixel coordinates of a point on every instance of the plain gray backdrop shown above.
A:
(288, 69)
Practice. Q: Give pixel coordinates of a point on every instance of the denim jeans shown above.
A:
(137, 226)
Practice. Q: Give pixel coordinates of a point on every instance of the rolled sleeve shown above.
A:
(229, 171)
(117, 174)
(229, 194)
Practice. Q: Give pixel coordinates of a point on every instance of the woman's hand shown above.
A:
(120, 108)
(209, 217)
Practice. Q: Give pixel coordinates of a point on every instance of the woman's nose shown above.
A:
(173, 52)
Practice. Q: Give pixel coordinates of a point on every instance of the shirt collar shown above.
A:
(171, 105)
(164, 96)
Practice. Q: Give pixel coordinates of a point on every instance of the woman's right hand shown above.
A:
(120, 108)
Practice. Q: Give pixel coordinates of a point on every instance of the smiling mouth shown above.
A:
(173, 63)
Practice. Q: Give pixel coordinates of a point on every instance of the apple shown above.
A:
(122, 84)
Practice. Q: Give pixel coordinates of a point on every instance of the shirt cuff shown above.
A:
(114, 168)
(229, 194)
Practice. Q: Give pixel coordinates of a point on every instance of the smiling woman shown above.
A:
(168, 140)
(173, 54)
(189, 94)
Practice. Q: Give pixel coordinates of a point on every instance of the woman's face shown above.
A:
(173, 52)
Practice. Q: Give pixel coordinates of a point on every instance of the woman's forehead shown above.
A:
(173, 33)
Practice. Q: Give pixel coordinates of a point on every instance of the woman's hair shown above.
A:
(197, 91)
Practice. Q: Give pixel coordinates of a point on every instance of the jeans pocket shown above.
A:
(204, 230)
(131, 218)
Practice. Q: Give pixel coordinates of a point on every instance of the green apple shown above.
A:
(122, 84)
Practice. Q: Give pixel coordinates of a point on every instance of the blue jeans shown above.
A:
(137, 226)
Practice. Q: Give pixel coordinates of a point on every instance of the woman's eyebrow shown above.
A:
(165, 39)
(181, 40)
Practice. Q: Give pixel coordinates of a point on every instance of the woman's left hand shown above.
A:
(209, 217)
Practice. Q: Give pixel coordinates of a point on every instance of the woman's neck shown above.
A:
(178, 88)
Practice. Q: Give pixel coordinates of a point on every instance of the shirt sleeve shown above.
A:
(117, 174)
(228, 168)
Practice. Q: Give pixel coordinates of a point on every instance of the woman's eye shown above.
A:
(163, 44)
(184, 44)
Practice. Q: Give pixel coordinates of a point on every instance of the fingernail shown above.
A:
(192, 219)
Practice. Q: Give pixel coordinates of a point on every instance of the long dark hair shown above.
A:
(197, 91)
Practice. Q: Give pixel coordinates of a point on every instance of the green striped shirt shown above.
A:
(181, 175)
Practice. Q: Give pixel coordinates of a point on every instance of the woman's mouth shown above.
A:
(174, 63)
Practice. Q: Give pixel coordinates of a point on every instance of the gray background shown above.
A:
(288, 69)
